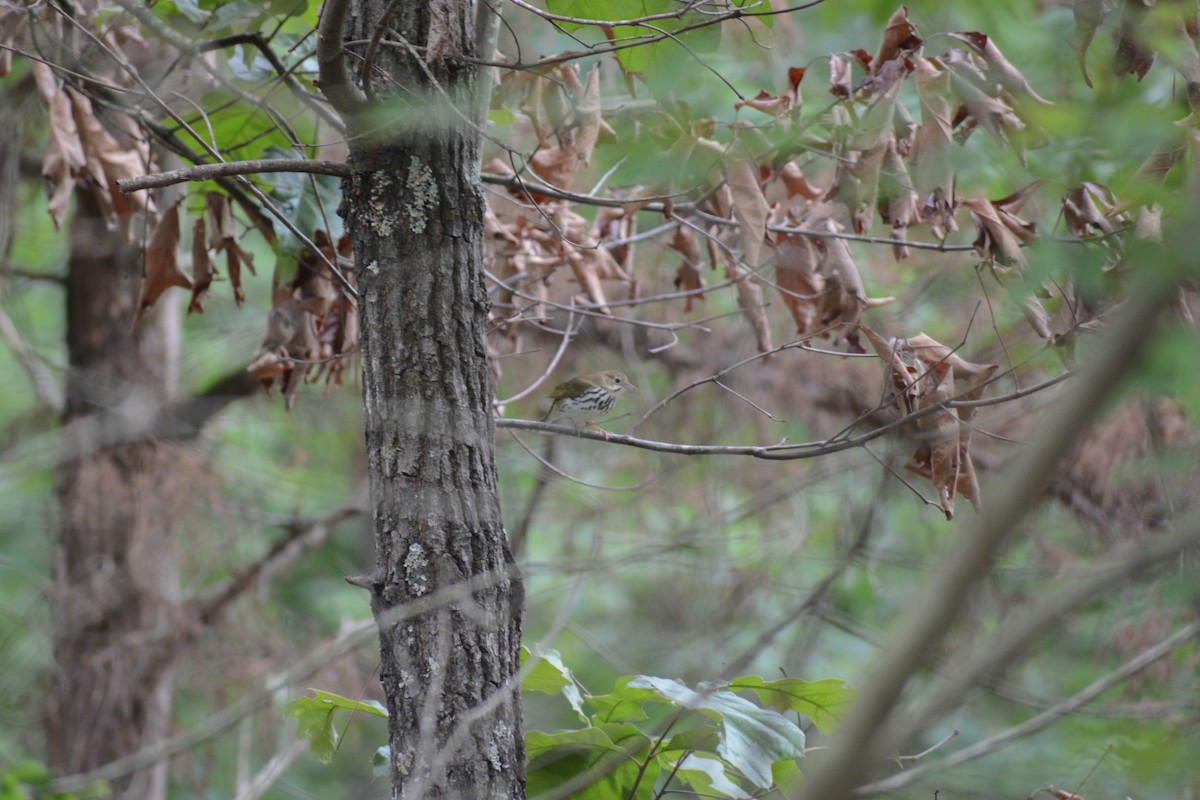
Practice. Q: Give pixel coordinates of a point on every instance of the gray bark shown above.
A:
(414, 212)
(117, 608)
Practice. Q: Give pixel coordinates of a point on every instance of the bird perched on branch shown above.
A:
(587, 398)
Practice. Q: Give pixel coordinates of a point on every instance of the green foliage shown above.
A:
(315, 719)
(30, 780)
(650, 728)
(642, 736)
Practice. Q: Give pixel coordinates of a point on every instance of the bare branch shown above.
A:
(1037, 722)
(336, 83)
(225, 169)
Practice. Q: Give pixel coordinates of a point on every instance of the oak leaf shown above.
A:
(202, 268)
(899, 37)
(162, 263)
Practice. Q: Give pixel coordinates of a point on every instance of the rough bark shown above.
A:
(414, 211)
(115, 565)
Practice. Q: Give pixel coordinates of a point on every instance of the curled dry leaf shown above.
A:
(992, 113)
(202, 268)
(786, 104)
(1088, 16)
(932, 165)
(577, 134)
(841, 71)
(223, 237)
(688, 277)
(1000, 232)
(1090, 209)
(162, 263)
(897, 198)
(999, 71)
(796, 184)
(857, 186)
(749, 205)
(899, 38)
(312, 326)
(750, 301)
(64, 159)
(922, 373)
(1134, 54)
(799, 283)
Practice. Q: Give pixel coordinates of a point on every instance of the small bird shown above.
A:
(587, 398)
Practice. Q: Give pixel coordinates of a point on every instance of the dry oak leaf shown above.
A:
(786, 104)
(1090, 209)
(841, 71)
(1088, 16)
(990, 112)
(932, 165)
(202, 268)
(899, 37)
(799, 283)
(1000, 232)
(688, 277)
(1134, 55)
(223, 236)
(64, 159)
(748, 203)
(162, 263)
(999, 71)
(922, 373)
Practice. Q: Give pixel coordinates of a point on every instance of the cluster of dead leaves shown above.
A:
(84, 151)
(162, 270)
(544, 255)
(923, 373)
(312, 327)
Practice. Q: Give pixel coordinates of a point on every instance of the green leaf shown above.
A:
(502, 116)
(707, 777)
(658, 60)
(381, 762)
(623, 704)
(821, 701)
(551, 676)
(605, 762)
(752, 738)
(314, 719)
(310, 201)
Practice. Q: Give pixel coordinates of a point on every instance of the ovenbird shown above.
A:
(587, 398)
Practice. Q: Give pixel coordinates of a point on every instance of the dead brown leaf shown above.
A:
(841, 71)
(999, 71)
(202, 268)
(1088, 16)
(688, 277)
(899, 38)
(782, 105)
(932, 165)
(924, 373)
(1090, 209)
(1000, 232)
(1134, 54)
(162, 263)
(799, 283)
(750, 207)
(64, 159)
(750, 301)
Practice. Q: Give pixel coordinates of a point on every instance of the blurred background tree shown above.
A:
(177, 542)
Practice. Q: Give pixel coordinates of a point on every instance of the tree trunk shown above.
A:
(414, 210)
(116, 585)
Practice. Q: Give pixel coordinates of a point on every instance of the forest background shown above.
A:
(1002, 196)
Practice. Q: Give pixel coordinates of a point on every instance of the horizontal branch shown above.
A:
(226, 169)
(1037, 722)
